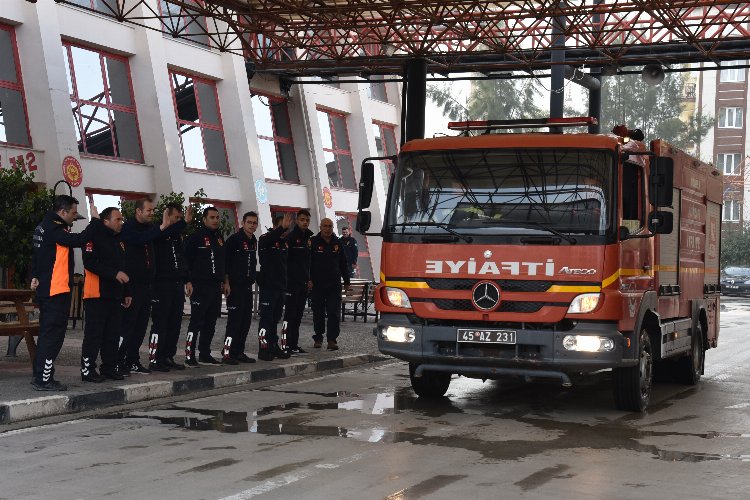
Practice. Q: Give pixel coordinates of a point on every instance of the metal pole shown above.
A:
(416, 98)
(595, 105)
(557, 87)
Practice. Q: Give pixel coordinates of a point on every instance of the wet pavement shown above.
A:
(364, 434)
(20, 402)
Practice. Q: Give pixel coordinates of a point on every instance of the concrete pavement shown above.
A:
(20, 402)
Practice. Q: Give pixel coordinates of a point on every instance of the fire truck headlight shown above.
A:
(397, 334)
(584, 303)
(397, 297)
(587, 343)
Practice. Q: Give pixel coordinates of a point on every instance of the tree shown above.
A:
(655, 109)
(226, 226)
(22, 207)
(489, 100)
(735, 245)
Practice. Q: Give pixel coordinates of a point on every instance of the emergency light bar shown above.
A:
(574, 121)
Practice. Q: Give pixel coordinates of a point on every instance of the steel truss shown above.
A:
(376, 37)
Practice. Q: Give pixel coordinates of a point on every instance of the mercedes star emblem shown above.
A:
(486, 296)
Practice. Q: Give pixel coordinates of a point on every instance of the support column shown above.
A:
(595, 104)
(416, 99)
(557, 85)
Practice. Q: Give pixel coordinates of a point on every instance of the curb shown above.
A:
(61, 404)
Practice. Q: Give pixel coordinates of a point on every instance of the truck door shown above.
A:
(636, 254)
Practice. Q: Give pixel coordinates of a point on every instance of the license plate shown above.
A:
(486, 336)
(732, 287)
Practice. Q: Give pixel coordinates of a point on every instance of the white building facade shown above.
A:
(145, 114)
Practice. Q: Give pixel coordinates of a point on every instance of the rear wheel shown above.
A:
(631, 386)
(689, 368)
(430, 384)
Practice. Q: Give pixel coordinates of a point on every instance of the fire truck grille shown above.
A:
(505, 285)
(466, 305)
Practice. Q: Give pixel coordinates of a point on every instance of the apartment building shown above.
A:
(723, 94)
(122, 111)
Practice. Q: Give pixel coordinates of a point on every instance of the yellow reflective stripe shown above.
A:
(610, 279)
(407, 284)
(579, 289)
(382, 277)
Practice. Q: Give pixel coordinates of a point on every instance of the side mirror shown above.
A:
(366, 183)
(661, 182)
(660, 222)
(364, 218)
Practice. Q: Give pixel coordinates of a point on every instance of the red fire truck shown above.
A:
(548, 255)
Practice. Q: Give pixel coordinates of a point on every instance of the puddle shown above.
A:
(298, 419)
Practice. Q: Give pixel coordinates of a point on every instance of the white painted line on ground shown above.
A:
(293, 478)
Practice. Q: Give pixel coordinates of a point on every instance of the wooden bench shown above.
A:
(353, 300)
(18, 302)
(369, 303)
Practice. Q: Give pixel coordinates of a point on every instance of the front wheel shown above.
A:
(690, 368)
(430, 384)
(631, 386)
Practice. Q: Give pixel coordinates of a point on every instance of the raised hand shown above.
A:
(189, 214)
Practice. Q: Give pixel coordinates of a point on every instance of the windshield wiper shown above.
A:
(540, 225)
(441, 225)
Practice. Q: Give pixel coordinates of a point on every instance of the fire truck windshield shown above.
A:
(503, 191)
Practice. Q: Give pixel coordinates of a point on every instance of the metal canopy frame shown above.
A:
(302, 38)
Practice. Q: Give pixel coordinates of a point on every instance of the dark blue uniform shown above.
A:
(205, 257)
(327, 268)
(168, 300)
(52, 266)
(241, 263)
(296, 291)
(272, 253)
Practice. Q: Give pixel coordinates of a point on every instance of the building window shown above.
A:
(729, 75)
(376, 90)
(103, 198)
(275, 138)
(184, 22)
(196, 106)
(731, 211)
(13, 122)
(385, 144)
(105, 6)
(364, 264)
(729, 163)
(336, 151)
(103, 106)
(277, 211)
(730, 117)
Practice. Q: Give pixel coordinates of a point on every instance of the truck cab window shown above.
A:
(632, 197)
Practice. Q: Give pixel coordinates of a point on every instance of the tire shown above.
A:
(430, 384)
(631, 386)
(690, 368)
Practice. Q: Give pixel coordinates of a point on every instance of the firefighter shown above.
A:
(52, 278)
(241, 261)
(105, 293)
(273, 254)
(351, 252)
(169, 292)
(298, 276)
(205, 258)
(138, 234)
(327, 269)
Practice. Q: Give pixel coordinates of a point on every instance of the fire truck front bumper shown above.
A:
(489, 351)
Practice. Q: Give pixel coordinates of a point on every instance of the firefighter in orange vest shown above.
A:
(105, 292)
(52, 278)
